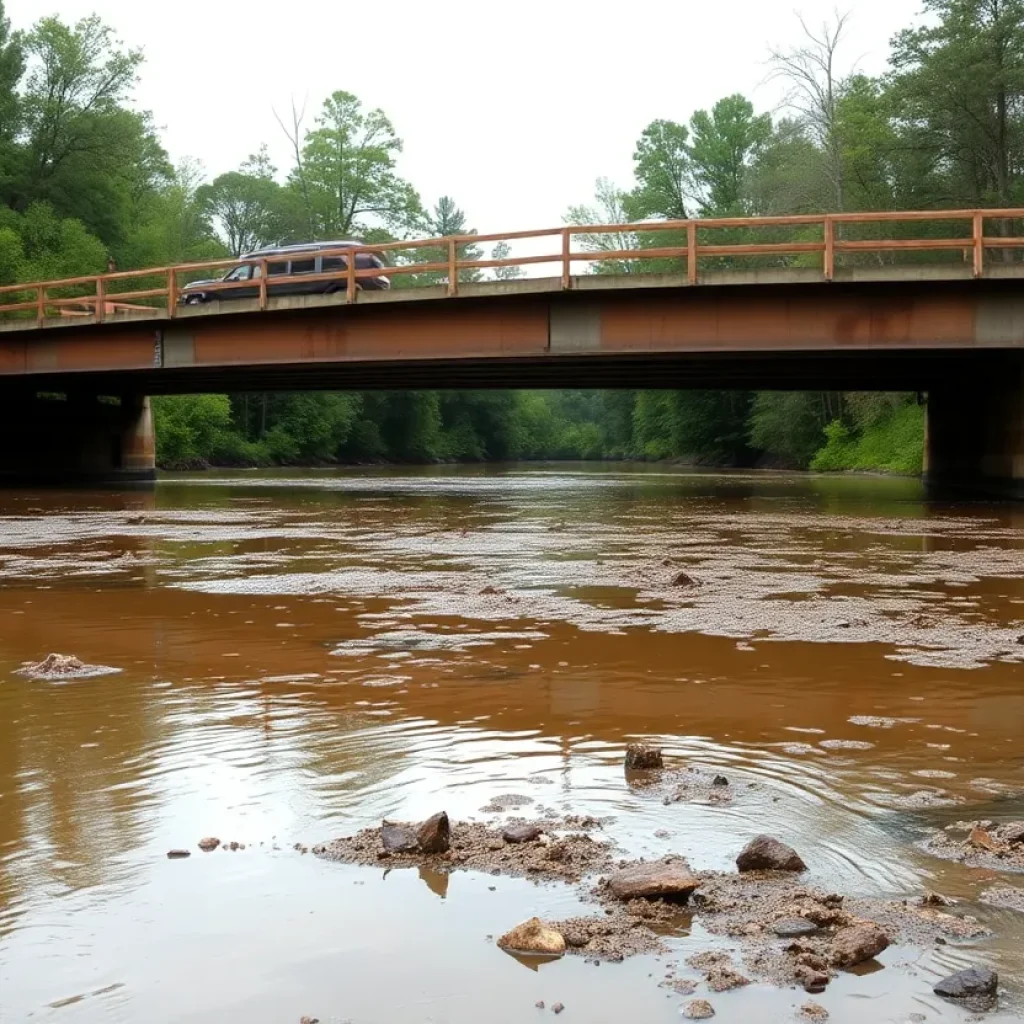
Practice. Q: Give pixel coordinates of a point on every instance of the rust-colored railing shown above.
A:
(99, 296)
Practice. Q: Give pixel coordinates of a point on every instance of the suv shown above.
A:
(285, 261)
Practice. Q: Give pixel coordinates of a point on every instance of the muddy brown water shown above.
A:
(301, 655)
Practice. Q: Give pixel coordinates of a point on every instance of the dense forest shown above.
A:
(85, 180)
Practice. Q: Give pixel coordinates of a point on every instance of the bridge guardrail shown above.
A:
(99, 295)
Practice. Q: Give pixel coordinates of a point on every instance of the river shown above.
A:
(303, 654)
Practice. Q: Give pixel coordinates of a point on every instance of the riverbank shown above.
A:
(713, 429)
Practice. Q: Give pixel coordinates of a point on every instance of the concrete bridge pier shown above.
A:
(974, 442)
(75, 439)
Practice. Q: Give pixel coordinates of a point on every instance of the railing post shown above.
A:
(453, 270)
(691, 251)
(263, 284)
(566, 258)
(979, 243)
(350, 276)
(172, 292)
(41, 303)
(830, 248)
(101, 299)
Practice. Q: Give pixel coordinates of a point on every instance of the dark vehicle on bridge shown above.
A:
(290, 262)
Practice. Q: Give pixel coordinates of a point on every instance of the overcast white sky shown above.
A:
(512, 108)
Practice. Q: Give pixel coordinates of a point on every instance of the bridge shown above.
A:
(927, 301)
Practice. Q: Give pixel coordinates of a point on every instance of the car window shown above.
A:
(277, 269)
(303, 266)
(334, 263)
(240, 274)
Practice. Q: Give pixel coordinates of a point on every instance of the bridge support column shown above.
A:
(75, 439)
(974, 441)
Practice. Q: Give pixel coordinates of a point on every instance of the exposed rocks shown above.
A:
(474, 846)
(767, 854)
(309, 1020)
(724, 979)
(981, 844)
(719, 780)
(612, 936)
(934, 899)
(794, 928)
(685, 581)
(522, 833)
(969, 984)
(178, 854)
(62, 666)
(664, 879)
(431, 836)
(557, 1008)
(812, 979)
(208, 844)
(640, 757)
(535, 937)
(698, 1009)
(860, 942)
(813, 1011)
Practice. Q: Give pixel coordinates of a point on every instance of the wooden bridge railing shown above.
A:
(159, 288)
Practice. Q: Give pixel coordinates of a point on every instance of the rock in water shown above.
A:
(794, 928)
(859, 942)
(557, 1008)
(981, 839)
(685, 580)
(432, 836)
(813, 1011)
(766, 854)
(698, 1009)
(435, 834)
(643, 758)
(811, 978)
(521, 833)
(657, 880)
(178, 854)
(533, 936)
(975, 981)
(208, 844)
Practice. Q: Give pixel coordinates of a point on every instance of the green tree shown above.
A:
(345, 173)
(724, 144)
(247, 205)
(958, 86)
(662, 167)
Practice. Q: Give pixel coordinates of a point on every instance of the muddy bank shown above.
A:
(564, 849)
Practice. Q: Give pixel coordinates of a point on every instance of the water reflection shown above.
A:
(304, 656)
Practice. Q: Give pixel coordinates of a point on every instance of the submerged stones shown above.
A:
(640, 757)
(764, 853)
(972, 983)
(534, 937)
(665, 879)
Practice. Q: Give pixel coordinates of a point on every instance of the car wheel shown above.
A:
(193, 300)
